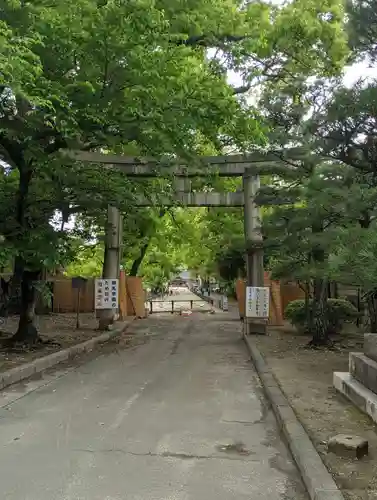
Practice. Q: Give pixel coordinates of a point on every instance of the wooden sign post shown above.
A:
(78, 284)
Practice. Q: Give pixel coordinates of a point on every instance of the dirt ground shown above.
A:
(306, 378)
(60, 328)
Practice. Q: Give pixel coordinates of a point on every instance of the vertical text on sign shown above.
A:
(257, 302)
(106, 293)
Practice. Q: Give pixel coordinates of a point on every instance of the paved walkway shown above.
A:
(180, 417)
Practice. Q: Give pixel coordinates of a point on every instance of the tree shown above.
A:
(301, 235)
(339, 125)
(106, 75)
(85, 95)
(362, 28)
(223, 231)
(354, 259)
(345, 131)
(307, 199)
(87, 262)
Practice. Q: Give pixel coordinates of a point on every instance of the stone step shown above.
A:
(370, 345)
(364, 370)
(362, 397)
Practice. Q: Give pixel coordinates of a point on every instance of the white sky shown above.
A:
(357, 71)
(351, 74)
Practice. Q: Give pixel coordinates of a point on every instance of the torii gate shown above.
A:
(223, 166)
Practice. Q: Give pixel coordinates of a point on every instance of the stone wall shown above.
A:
(359, 384)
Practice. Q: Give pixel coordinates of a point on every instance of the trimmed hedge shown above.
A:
(339, 312)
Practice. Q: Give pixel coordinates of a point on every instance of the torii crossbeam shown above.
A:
(223, 166)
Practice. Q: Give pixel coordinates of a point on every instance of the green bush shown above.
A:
(339, 312)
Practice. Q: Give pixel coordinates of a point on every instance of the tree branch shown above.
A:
(105, 70)
(211, 40)
(242, 89)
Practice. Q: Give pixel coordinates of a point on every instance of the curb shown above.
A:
(317, 479)
(26, 370)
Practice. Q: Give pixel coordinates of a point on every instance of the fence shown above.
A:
(157, 305)
(135, 296)
(280, 295)
(65, 298)
(290, 292)
(132, 296)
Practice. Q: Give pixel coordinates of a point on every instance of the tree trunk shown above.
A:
(13, 303)
(27, 332)
(319, 318)
(365, 221)
(23, 279)
(319, 321)
(372, 312)
(308, 312)
(149, 232)
(137, 262)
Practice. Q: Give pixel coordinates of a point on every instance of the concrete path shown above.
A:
(180, 417)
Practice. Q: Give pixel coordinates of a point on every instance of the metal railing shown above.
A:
(172, 310)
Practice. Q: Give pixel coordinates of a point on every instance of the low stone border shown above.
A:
(317, 479)
(26, 370)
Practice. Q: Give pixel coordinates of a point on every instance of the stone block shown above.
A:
(370, 345)
(27, 370)
(348, 446)
(363, 398)
(11, 376)
(328, 495)
(91, 344)
(49, 361)
(284, 415)
(364, 369)
(58, 357)
(319, 483)
(269, 380)
(275, 395)
(46, 362)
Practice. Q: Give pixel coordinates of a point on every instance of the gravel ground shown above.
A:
(306, 378)
(60, 328)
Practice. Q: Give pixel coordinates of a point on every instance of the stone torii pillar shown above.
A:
(111, 262)
(254, 244)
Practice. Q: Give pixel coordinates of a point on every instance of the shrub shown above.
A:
(339, 312)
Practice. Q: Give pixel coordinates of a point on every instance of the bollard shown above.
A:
(151, 303)
(172, 306)
(191, 303)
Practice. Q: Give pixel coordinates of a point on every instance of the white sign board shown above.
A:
(257, 302)
(106, 294)
(225, 303)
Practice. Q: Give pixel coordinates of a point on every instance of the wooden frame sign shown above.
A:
(257, 302)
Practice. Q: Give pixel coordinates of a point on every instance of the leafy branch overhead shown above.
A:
(141, 77)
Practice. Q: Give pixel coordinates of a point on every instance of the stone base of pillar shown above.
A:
(106, 317)
(255, 327)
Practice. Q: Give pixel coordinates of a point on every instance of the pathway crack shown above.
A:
(165, 454)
